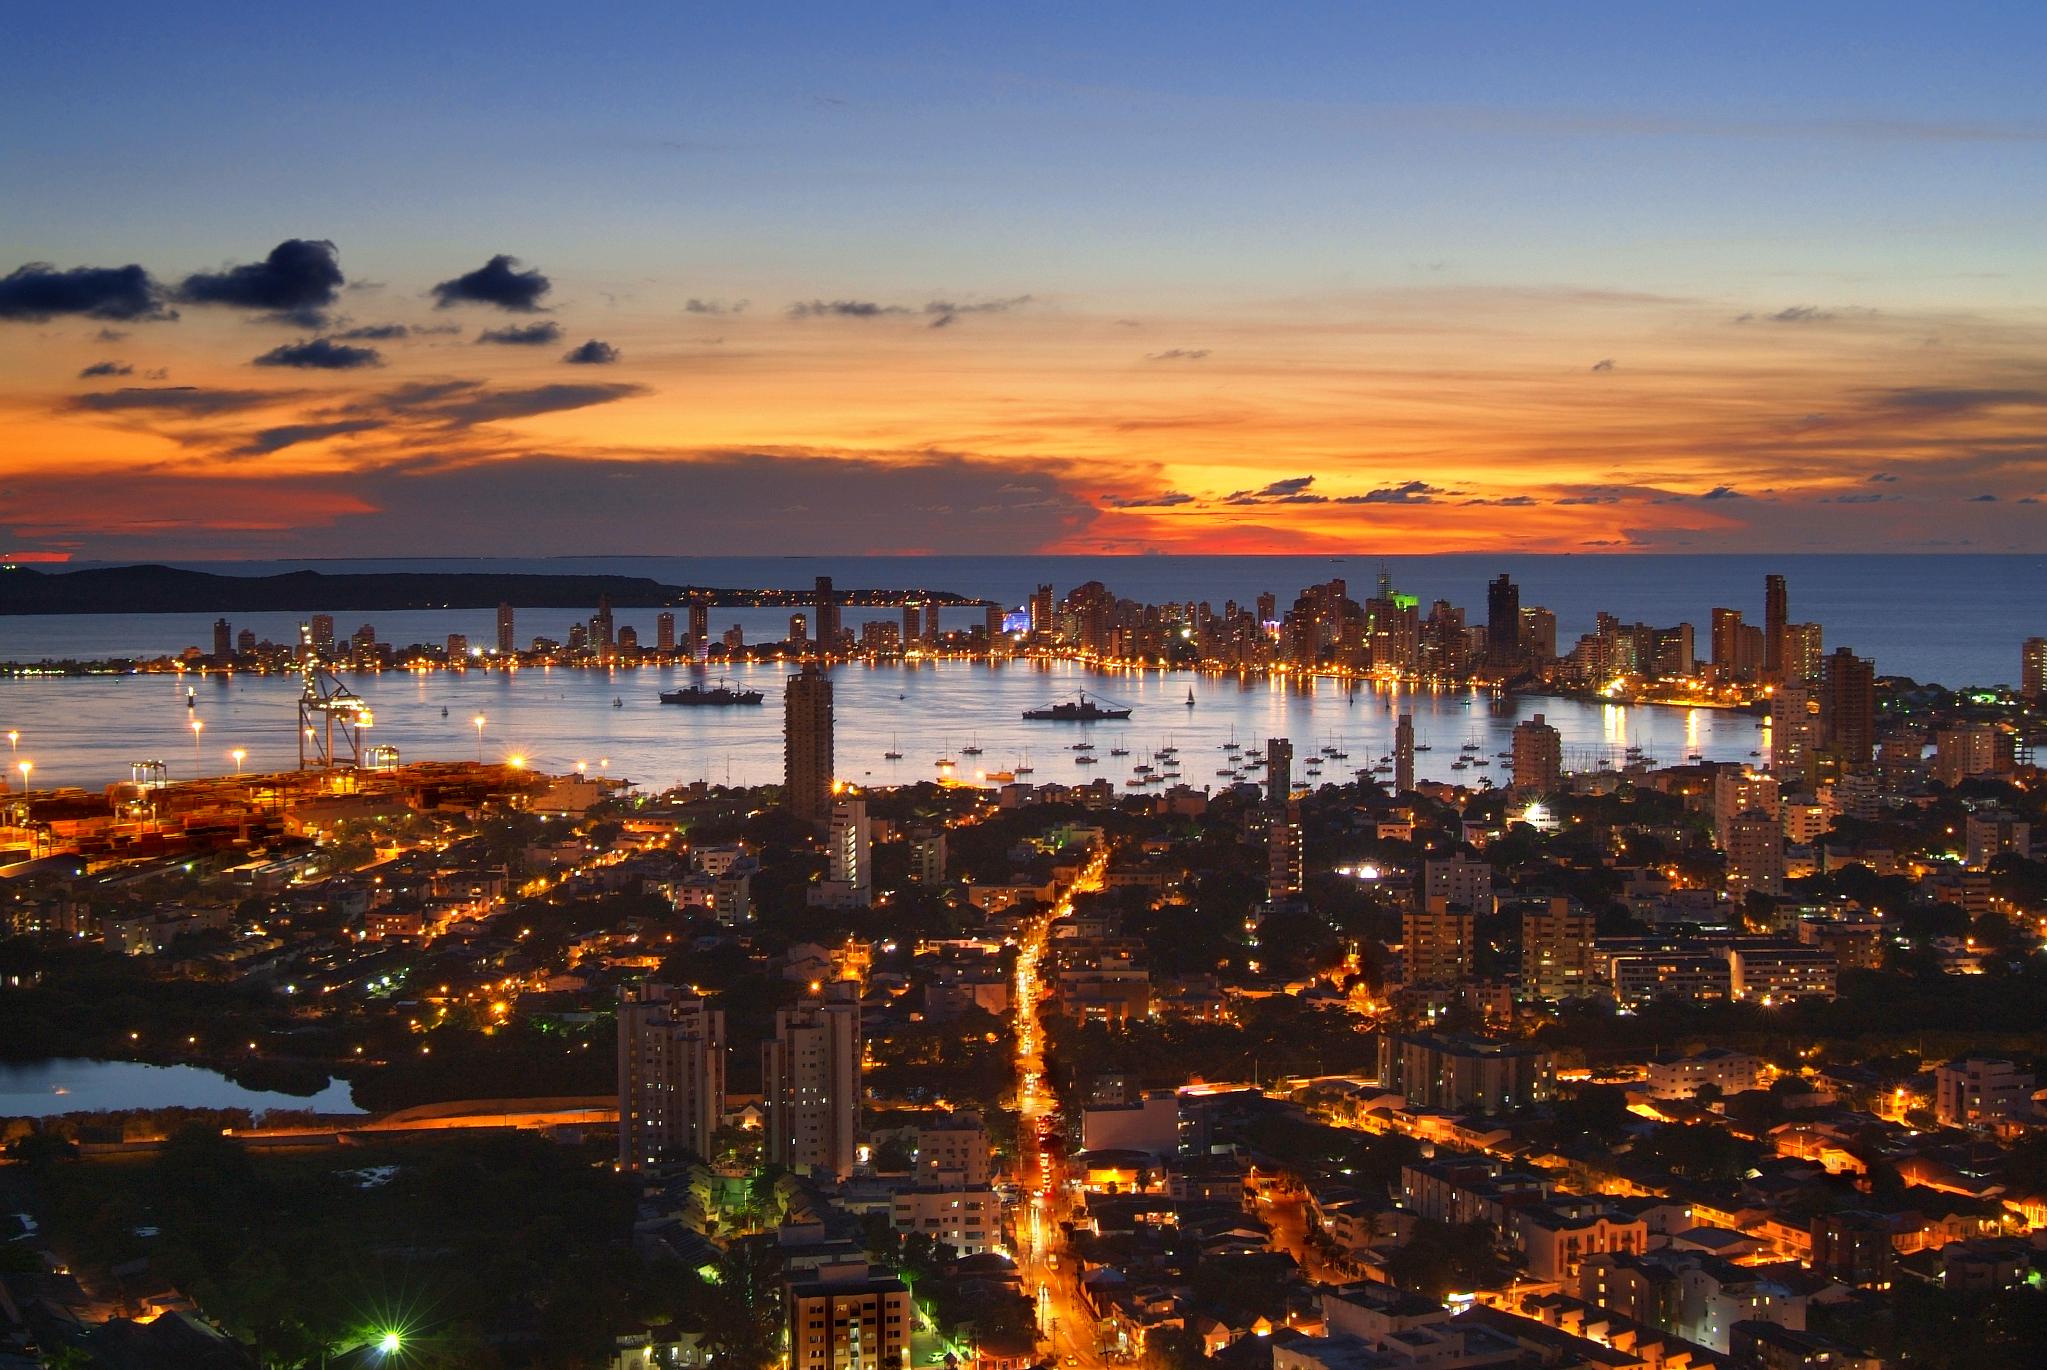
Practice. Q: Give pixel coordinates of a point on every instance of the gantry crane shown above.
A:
(325, 707)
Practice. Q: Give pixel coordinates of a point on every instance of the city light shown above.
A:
(239, 754)
(479, 721)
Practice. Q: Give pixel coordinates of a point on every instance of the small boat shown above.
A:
(1423, 747)
(944, 762)
(444, 711)
(1134, 784)
(1084, 760)
(1142, 768)
(617, 703)
(1190, 699)
(1081, 747)
(1119, 751)
(972, 748)
(891, 754)
(1226, 771)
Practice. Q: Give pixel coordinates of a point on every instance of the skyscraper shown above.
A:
(664, 630)
(849, 853)
(1794, 732)
(1285, 867)
(321, 635)
(602, 631)
(827, 617)
(912, 624)
(799, 628)
(1727, 645)
(1776, 606)
(810, 1082)
(223, 639)
(699, 626)
(931, 628)
(1502, 622)
(2033, 669)
(508, 636)
(1403, 754)
(1538, 758)
(1848, 708)
(807, 745)
(1279, 770)
(671, 1075)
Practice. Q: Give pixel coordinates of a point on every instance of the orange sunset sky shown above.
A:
(1044, 282)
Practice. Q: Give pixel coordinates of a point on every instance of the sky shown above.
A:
(455, 279)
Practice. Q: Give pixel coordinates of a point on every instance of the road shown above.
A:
(1062, 1317)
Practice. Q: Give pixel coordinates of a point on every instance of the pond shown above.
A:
(42, 1089)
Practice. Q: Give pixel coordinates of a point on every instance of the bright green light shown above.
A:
(389, 1343)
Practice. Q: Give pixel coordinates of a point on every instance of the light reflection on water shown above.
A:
(86, 731)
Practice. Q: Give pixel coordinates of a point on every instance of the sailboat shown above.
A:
(1190, 698)
(973, 748)
(891, 754)
(1024, 769)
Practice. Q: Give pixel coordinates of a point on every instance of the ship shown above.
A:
(1081, 710)
(720, 695)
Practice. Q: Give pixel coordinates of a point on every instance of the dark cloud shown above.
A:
(497, 282)
(1857, 497)
(696, 306)
(111, 335)
(592, 353)
(269, 440)
(1929, 399)
(1507, 501)
(1409, 492)
(1292, 490)
(465, 403)
(943, 312)
(1168, 500)
(1177, 354)
(177, 399)
(842, 309)
(106, 369)
(1882, 477)
(321, 354)
(297, 283)
(540, 334)
(1982, 499)
(38, 291)
(1723, 492)
(1603, 364)
(375, 332)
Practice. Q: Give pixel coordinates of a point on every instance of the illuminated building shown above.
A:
(931, 629)
(1755, 854)
(1461, 880)
(810, 1082)
(1991, 833)
(799, 629)
(847, 1318)
(1279, 770)
(664, 630)
(911, 625)
(2033, 669)
(927, 858)
(1403, 755)
(1803, 659)
(1972, 1091)
(1736, 790)
(602, 634)
(1556, 951)
(508, 637)
(223, 640)
(456, 647)
(1966, 750)
(807, 746)
(1538, 634)
(699, 627)
(1794, 732)
(1284, 859)
(320, 633)
(1538, 758)
(1436, 943)
(849, 852)
(1772, 972)
(671, 1075)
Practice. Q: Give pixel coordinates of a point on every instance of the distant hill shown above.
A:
(164, 590)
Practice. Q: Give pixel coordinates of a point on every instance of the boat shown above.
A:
(891, 754)
(944, 762)
(1084, 760)
(1081, 710)
(617, 703)
(1143, 768)
(1025, 768)
(1226, 771)
(719, 696)
(1423, 747)
(1190, 699)
(1119, 751)
(1081, 747)
(972, 748)
(444, 711)
(1134, 783)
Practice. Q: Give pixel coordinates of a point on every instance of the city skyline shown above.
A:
(1484, 281)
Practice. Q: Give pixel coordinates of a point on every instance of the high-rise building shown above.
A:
(1041, 610)
(2033, 669)
(827, 617)
(603, 633)
(321, 635)
(664, 630)
(456, 647)
(1794, 731)
(807, 745)
(671, 1075)
(1437, 938)
(1776, 611)
(508, 635)
(1285, 865)
(699, 626)
(849, 856)
(810, 1082)
(1967, 750)
(1403, 754)
(912, 624)
(1503, 622)
(1755, 854)
(1848, 708)
(245, 641)
(1466, 1074)
(1538, 758)
(1279, 770)
(1736, 791)
(223, 639)
(1556, 951)
(1461, 880)
(799, 629)
(1727, 645)
(1803, 653)
(993, 627)
(1538, 634)
(931, 628)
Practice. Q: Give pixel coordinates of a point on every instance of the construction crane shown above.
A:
(326, 707)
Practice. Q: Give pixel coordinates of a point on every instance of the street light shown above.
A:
(479, 721)
(239, 754)
(25, 767)
(198, 725)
